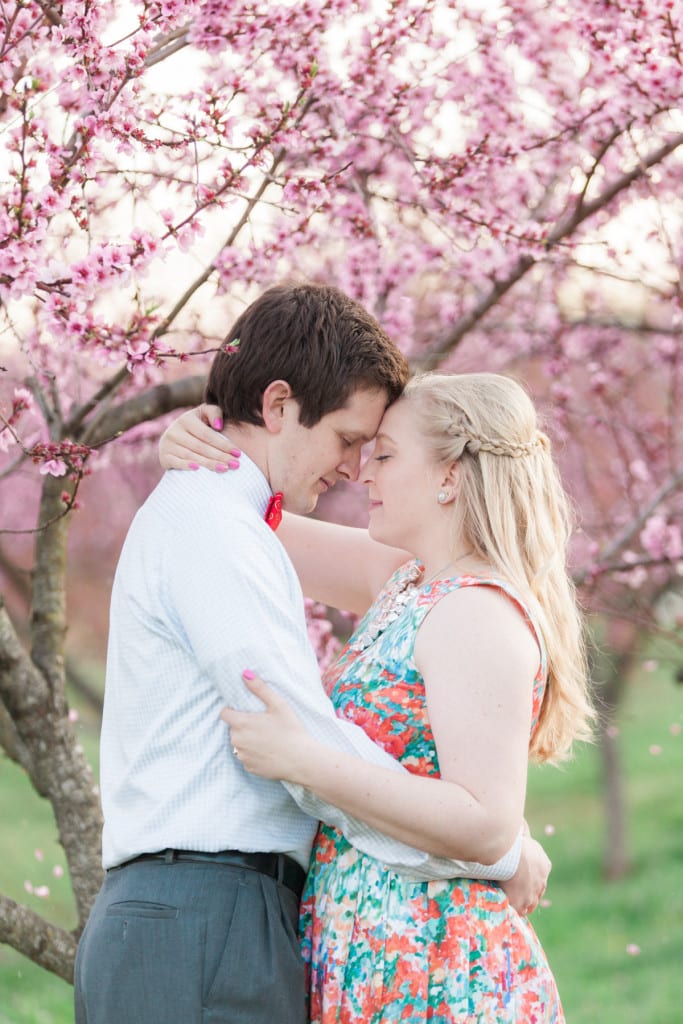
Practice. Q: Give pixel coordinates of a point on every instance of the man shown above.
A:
(196, 920)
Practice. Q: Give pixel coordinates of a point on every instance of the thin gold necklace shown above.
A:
(451, 561)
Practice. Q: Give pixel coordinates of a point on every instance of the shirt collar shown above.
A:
(253, 484)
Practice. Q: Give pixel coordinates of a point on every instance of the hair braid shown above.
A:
(516, 516)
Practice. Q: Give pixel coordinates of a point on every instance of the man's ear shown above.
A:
(273, 403)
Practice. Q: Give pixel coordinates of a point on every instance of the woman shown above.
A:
(473, 646)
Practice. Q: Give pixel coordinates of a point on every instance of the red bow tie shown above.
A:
(273, 514)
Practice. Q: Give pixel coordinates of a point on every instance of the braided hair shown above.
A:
(512, 510)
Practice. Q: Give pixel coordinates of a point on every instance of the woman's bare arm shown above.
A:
(478, 660)
(341, 566)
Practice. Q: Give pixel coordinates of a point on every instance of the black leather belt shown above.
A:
(277, 865)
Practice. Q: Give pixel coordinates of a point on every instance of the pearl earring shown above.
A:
(442, 497)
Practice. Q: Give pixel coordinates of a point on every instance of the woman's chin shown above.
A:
(380, 534)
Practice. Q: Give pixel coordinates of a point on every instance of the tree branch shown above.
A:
(144, 407)
(22, 688)
(623, 538)
(563, 229)
(73, 426)
(48, 946)
(58, 769)
(230, 240)
(634, 327)
(11, 742)
(48, 611)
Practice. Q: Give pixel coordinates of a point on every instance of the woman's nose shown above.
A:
(366, 472)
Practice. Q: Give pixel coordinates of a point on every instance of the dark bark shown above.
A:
(610, 671)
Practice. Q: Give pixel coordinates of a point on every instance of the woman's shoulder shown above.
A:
(481, 582)
(492, 601)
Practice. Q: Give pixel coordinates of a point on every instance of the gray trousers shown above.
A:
(190, 943)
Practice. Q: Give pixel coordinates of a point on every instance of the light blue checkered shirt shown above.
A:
(203, 590)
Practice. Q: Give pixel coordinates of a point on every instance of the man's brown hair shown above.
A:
(317, 339)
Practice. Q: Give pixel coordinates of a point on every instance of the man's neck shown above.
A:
(252, 441)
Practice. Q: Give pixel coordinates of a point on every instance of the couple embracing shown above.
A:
(278, 851)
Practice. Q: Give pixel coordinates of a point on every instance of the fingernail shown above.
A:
(193, 465)
(248, 674)
(218, 424)
(235, 451)
(233, 464)
(220, 468)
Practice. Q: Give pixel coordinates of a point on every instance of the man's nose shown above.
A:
(349, 468)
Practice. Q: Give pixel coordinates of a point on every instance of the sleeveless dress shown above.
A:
(380, 948)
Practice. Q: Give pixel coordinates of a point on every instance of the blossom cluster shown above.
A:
(499, 183)
(58, 459)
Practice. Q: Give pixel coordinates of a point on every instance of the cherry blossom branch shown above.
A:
(584, 210)
(167, 46)
(604, 568)
(50, 13)
(626, 535)
(266, 180)
(632, 327)
(563, 229)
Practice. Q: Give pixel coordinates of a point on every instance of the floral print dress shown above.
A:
(380, 947)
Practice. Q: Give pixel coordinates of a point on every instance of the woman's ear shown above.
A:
(449, 483)
(273, 403)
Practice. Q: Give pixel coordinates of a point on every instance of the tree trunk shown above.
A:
(610, 673)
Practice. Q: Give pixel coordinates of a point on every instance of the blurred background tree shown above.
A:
(498, 182)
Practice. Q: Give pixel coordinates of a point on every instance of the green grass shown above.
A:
(591, 923)
(585, 931)
(28, 994)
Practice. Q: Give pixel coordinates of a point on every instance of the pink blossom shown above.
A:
(22, 400)
(427, 159)
(55, 467)
(662, 539)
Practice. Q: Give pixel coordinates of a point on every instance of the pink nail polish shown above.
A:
(248, 674)
(220, 468)
(233, 464)
(236, 452)
(217, 424)
(193, 465)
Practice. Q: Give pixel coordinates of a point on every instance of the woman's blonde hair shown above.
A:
(513, 511)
